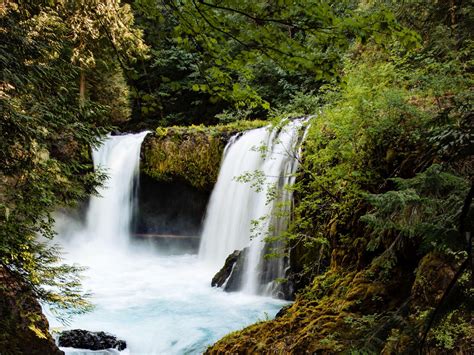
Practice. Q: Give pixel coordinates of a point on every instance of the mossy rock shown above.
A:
(308, 326)
(433, 275)
(335, 315)
(23, 327)
(190, 154)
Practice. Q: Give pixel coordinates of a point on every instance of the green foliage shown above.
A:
(300, 104)
(453, 329)
(396, 126)
(96, 26)
(45, 134)
(104, 43)
(427, 207)
(366, 127)
(383, 120)
(210, 57)
(165, 86)
(107, 86)
(294, 38)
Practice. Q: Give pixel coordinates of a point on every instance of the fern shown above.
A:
(425, 208)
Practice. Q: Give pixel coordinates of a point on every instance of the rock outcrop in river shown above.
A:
(84, 339)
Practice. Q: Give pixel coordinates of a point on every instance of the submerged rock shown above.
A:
(220, 278)
(84, 339)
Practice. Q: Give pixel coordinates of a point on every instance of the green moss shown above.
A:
(217, 130)
(316, 322)
(192, 153)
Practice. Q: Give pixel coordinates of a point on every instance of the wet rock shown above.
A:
(84, 339)
(219, 279)
(282, 289)
(236, 277)
(231, 276)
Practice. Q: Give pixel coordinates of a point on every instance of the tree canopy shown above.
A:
(251, 55)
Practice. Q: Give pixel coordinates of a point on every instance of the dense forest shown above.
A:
(379, 242)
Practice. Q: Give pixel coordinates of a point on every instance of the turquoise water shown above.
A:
(161, 304)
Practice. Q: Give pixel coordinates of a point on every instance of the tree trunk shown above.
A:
(453, 13)
(82, 88)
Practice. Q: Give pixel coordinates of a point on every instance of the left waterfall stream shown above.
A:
(158, 302)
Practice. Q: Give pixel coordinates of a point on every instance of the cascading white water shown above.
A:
(109, 214)
(234, 206)
(230, 209)
(157, 303)
(278, 168)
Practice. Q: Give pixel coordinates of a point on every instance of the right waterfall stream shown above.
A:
(251, 201)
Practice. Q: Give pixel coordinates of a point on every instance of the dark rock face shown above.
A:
(234, 283)
(278, 284)
(84, 339)
(232, 273)
(179, 211)
(219, 279)
(283, 311)
(286, 290)
(23, 327)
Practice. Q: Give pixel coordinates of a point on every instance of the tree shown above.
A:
(104, 44)
(46, 134)
(292, 40)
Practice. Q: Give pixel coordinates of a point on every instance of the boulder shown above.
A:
(220, 278)
(84, 339)
(230, 277)
(235, 281)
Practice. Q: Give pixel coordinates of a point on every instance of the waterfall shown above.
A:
(235, 206)
(109, 213)
(230, 212)
(158, 302)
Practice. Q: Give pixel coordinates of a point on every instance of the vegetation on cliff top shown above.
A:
(190, 153)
